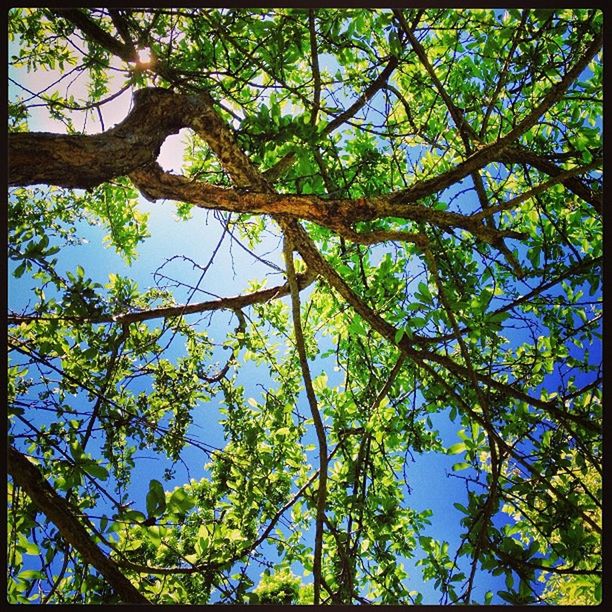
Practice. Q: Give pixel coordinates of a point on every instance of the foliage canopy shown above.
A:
(422, 190)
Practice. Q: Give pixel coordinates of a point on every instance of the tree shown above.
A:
(425, 185)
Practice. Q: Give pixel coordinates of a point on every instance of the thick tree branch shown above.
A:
(336, 214)
(422, 188)
(84, 161)
(89, 27)
(29, 478)
(131, 147)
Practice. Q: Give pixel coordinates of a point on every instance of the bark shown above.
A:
(84, 161)
(131, 147)
(316, 418)
(336, 214)
(56, 508)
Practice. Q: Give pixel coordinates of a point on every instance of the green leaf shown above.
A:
(96, 470)
(133, 516)
(156, 499)
(597, 592)
(423, 289)
(29, 548)
(76, 450)
(31, 574)
(180, 501)
(19, 270)
(498, 318)
(455, 449)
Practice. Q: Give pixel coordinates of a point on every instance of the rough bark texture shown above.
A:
(28, 477)
(83, 161)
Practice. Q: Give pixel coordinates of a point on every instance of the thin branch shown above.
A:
(314, 61)
(503, 445)
(146, 569)
(502, 75)
(229, 303)
(110, 373)
(373, 88)
(97, 34)
(83, 107)
(456, 113)
(522, 155)
(377, 84)
(123, 27)
(561, 177)
(316, 417)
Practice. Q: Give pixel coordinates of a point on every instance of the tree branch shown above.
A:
(518, 154)
(84, 161)
(373, 88)
(314, 61)
(563, 176)
(229, 303)
(316, 418)
(465, 129)
(97, 34)
(30, 479)
(336, 214)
